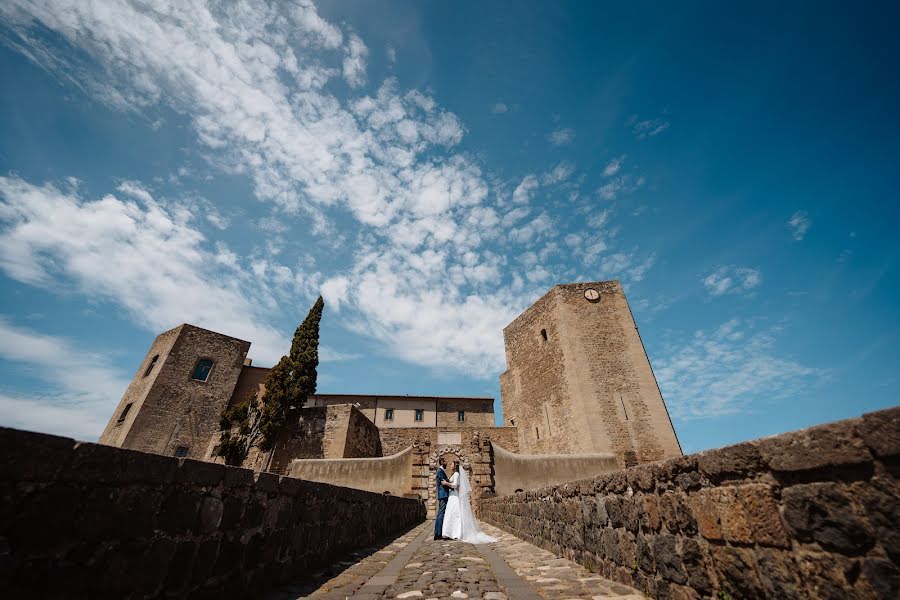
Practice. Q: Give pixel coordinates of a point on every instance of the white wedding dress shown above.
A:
(459, 520)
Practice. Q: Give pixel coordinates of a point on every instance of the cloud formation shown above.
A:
(732, 280)
(278, 93)
(82, 386)
(718, 372)
(562, 136)
(799, 224)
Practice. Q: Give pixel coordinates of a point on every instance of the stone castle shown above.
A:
(579, 397)
(586, 443)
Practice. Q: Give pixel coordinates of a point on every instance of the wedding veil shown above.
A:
(470, 530)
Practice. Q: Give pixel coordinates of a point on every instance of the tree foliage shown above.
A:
(288, 385)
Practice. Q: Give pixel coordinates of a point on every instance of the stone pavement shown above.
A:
(415, 566)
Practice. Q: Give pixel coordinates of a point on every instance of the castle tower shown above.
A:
(579, 381)
(173, 402)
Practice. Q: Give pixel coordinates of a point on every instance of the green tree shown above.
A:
(288, 385)
(294, 377)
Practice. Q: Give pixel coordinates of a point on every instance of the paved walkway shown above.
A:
(415, 566)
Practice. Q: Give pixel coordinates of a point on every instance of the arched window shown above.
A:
(151, 365)
(201, 371)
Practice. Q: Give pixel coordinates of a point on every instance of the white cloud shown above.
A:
(619, 185)
(727, 370)
(799, 224)
(562, 136)
(732, 280)
(355, 61)
(525, 190)
(391, 54)
(559, 173)
(649, 128)
(83, 387)
(151, 262)
(256, 87)
(613, 166)
(499, 108)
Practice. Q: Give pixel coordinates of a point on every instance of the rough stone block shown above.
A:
(649, 515)
(236, 477)
(881, 431)
(883, 577)
(824, 513)
(696, 558)
(268, 482)
(824, 575)
(703, 505)
(195, 472)
(736, 572)
(731, 462)
(881, 501)
(623, 512)
(668, 563)
(831, 445)
(27, 456)
(211, 511)
(675, 514)
(179, 510)
(778, 573)
(761, 510)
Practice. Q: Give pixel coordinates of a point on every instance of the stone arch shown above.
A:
(457, 451)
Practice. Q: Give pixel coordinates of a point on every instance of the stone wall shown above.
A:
(87, 520)
(471, 445)
(811, 514)
(382, 475)
(523, 472)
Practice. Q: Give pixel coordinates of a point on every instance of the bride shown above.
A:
(459, 521)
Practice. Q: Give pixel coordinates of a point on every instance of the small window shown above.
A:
(461, 416)
(420, 414)
(389, 414)
(537, 434)
(151, 365)
(544, 334)
(181, 451)
(125, 412)
(201, 371)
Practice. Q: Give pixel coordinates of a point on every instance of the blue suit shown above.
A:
(442, 494)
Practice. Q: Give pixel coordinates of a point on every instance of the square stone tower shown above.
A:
(579, 381)
(173, 403)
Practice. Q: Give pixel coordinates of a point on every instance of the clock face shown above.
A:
(591, 295)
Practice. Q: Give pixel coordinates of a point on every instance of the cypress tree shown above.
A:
(294, 377)
(288, 385)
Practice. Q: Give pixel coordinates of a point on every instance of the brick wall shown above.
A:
(812, 513)
(87, 520)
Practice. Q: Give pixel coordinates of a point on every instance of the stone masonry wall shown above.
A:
(88, 520)
(472, 445)
(806, 514)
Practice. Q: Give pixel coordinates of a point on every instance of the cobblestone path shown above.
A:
(415, 566)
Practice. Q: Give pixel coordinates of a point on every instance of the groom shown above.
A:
(443, 482)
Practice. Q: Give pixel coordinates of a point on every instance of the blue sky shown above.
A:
(432, 169)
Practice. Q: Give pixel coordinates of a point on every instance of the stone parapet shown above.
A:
(811, 513)
(88, 520)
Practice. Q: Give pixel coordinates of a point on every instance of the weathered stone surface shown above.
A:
(883, 576)
(824, 513)
(731, 462)
(119, 533)
(831, 445)
(668, 563)
(736, 572)
(881, 431)
(753, 531)
(762, 514)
